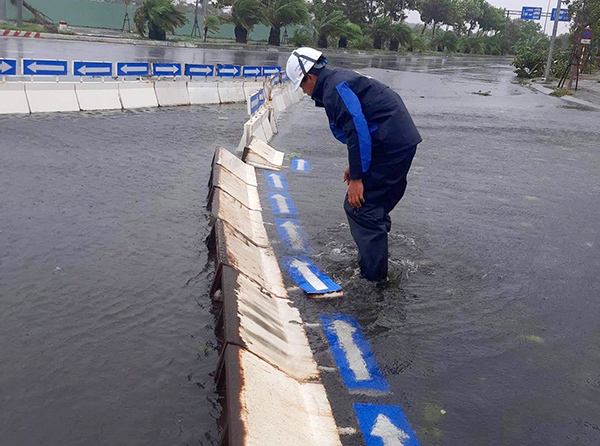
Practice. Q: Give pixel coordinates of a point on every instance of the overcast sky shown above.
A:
(517, 5)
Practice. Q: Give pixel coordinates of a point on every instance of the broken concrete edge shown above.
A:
(566, 98)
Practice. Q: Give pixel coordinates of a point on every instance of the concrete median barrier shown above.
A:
(137, 95)
(170, 94)
(256, 126)
(238, 189)
(203, 93)
(13, 99)
(260, 154)
(98, 96)
(264, 406)
(231, 91)
(270, 328)
(256, 262)
(51, 97)
(235, 165)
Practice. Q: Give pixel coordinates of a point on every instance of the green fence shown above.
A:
(96, 14)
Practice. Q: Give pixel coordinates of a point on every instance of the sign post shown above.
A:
(552, 42)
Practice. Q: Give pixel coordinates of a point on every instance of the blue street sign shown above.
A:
(38, 67)
(300, 165)
(292, 235)
(384, 425)
(353, 355)
(282, 204)
(133, 69)
(562, 17)
(255, 104)
(199, 70)
(229, 70)
(587, 34)
(276, 180)
(8, 67)
(531, 13)
(251, 71)
(308, 277)
(92, 68)
(271, 70)
(166, 69)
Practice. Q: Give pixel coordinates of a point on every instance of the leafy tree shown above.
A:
(212, 25)
(302, 37)
(280, 13)
(400, 35)
(362, 42)
(349, 32)
(473, 45)
(381, 29)
(158, 17)
(492, 19)
(472, 13)
(245, 14)
(530, 60)
(395, 9)
(327, 22)
(435, 12)
(446, 42)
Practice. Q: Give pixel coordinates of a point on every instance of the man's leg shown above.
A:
(369, 230)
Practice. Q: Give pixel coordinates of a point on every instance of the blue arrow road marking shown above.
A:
(166, 69)
(353, 355)
(45, 67)
(199, 70)
(292, 235)
(251, 71)
(300, 165)
(92, 68)
(308, 277)
(228, 70)
(8, 67)
(133, 69)
(276, 180)
(282, 204)
(384, 425)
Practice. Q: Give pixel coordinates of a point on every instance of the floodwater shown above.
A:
(106, 333)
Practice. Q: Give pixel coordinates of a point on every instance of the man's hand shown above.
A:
(355, 193)
(347, 175)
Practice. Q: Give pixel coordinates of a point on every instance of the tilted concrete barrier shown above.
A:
(13, 99)
(260, 154)
(137, 95)
(51, 97)
(235, 165)
(238, 189)
(171, 93)
(98, 96)
(204, 93)
(256, 125)
(231, 91)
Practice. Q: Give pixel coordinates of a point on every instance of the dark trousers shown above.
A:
(384, 186)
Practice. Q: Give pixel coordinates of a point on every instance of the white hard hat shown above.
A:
(299, 64)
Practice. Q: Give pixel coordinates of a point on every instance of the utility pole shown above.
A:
(19, 13)
(126, 18)
(552, 41)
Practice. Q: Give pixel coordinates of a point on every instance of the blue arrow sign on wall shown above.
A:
(199, 70)
(228, 70)
(133, 69)
(92, 68)
(8, 67)
(38, 67)
(166, 69)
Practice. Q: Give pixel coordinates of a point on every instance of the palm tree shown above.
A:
(327, 23)
(280, 13)
(381, 30)
(159, 17)
(400, 34)
(350, 31)
(245, 14)
(212, 24)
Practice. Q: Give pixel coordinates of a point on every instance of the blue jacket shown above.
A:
(366, 115)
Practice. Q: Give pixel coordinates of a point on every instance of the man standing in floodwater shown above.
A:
(372, 120)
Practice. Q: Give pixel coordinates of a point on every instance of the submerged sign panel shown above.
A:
(300, 165)
(308, 277)
(353, 355)
(384, 425)
(292, 235)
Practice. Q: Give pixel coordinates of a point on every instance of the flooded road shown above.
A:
(105, 326)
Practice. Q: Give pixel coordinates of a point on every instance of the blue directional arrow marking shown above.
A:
(228, 70)
(255, 104)
(282, 204)
(166, 69)
(251, 71)
(92, 68)
(308, 277)
(276, 180)
(353, 355)
(292, 235)
(8, 67)
(45, 67)
(199, 70)
(384, 425)
(300, 165)
(270, 70)
(133, 69)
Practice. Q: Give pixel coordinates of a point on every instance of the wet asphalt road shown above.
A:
(105, 325)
